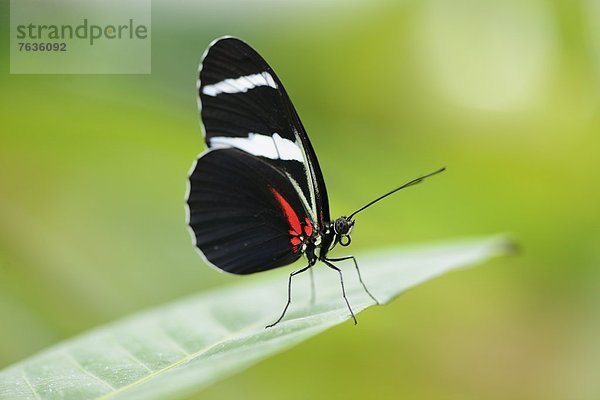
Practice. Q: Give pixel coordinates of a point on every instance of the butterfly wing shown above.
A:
(244, 105)
(258, 188)
(245, 214)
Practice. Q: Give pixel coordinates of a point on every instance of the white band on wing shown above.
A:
(240, 85)
(274, 147)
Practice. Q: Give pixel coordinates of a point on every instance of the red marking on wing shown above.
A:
(308, 229)
(289, 212)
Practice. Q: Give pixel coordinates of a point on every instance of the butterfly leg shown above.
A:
(330, 265)
(313, 295)
(289, 294)
(358, 272)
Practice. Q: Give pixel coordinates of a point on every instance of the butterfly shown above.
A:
(256, 197)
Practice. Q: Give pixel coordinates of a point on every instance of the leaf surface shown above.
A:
(184, 346)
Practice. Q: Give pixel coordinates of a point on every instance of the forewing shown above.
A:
(245, 215)
(244, 105)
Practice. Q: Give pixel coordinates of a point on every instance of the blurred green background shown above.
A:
(504, 93)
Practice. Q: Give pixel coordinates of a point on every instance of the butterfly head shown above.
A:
(342, 227)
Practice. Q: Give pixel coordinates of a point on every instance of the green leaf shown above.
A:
(184, 346)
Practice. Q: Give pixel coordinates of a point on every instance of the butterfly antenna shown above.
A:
(411, 183)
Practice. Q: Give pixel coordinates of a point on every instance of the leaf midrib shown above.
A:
(189, 357)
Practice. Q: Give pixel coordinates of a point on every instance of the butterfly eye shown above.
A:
(341, 226)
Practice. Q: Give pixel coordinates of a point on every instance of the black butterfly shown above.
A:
(257, 199)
